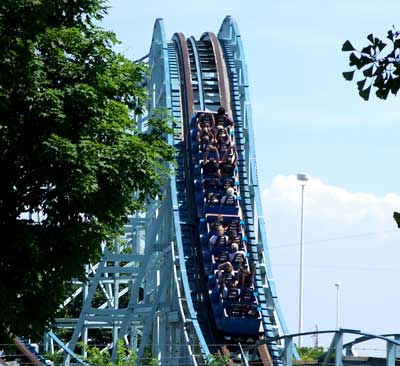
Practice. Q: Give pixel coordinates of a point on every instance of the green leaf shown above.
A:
(365, 93)
(369, 72)
(367, 50)
(353, 59)
(348, 75)
(347, 46)
(396, 217)
(381, 45)
(370, 37)
(382, 93)
(394, 85)
(363, 61)
(379, 80)
(361, 83)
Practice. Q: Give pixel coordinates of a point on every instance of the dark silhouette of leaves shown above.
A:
(353, 59)
(365, 93)
(381, 68)
(348, 75)
(396, 216)
(347, 46)
(360, 84)
(369, 72)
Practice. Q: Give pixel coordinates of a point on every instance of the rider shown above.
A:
(222, 119)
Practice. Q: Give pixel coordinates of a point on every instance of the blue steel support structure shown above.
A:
(153, 293)
(337, 347)
(193, 68)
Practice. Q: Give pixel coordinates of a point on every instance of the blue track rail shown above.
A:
(203, 75)
(273, 319)
(182, 223)
(24, 346)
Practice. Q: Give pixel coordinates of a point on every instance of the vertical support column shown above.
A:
(84, 340)
(134, 241)
(288, 351)
(397, 352)
(348, 351)
(48, 344)
(173, 341)
(390, 354)
(159, 320)
(166, 349)
(85, 291)
(339, 349)
(116, 295)
(163, 347)
(133, 338)
(156, 324)
(156, 338)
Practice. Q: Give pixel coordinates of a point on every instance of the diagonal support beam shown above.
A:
(337, 345)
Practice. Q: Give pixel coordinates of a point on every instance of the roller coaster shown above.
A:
(163, 285)
(165, 288)
(192, 79)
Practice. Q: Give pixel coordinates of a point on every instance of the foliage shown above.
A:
(381, 71)
(148, 359)
(96, 357)
(380, 68)
(310, 353)
(56, 358)
(125, 357)
(71, 154)
(216, 359)
(396, 216)
(151, 362)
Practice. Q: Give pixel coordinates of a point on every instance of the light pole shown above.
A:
(337, 285)
(303, 178)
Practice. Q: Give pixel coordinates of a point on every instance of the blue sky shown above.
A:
(308, 118)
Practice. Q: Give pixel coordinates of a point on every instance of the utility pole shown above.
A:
(316, 344)
(303, 178)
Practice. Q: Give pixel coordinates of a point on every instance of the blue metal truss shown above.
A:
(147, 280)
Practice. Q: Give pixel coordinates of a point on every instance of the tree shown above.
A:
(125, 357)
(216, 359)
(96, 357)
(310, 353)
(380, 68)
(73, 162)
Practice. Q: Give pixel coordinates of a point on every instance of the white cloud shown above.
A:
(350, 237)
(327, 202)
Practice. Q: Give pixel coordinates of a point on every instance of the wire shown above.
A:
(369, 349)
(351, 236)
(341, 267)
